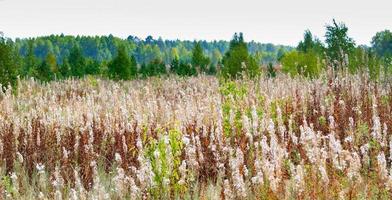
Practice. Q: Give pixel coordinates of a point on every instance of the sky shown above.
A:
(272, 21)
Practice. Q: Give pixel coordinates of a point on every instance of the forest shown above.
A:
(58, 56)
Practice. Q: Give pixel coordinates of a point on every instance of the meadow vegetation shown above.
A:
(314, 124)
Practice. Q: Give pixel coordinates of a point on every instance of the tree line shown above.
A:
(340, 52)
(57, 57)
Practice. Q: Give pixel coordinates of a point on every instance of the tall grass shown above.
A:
(197, 138)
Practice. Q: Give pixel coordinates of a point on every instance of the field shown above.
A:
(197, 138)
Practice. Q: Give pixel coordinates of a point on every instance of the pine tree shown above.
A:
(122, 66)
(93, 67)
(45, 71)
(65, 69)
(77, 62)
(238, 60)
(156, 67)
(30, 61)
(175, 65)
(199, 60)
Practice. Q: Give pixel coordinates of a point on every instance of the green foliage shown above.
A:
(364, 60)
(338, 42)
(298, 63)
(155, 68)
(322, 121)
(271, 71)
(65, 69)
(30, 61)
(81, 55)
(104, 48)
(46, 71)
(182, 69)
(375, 66)
(306, 60)
(6, 183)
(280, 54)
(382, 44)
(9, 63)
(216, 57)
(237, 59)
(122, 66)
(77, 62)
(212, 70)
(233, 94)
(199, 60)
(357, 60)
(159, 156)
(310, 44)
(93, 67)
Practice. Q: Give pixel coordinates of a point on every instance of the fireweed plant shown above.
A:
(197, 138)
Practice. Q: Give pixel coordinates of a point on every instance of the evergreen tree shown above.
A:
(45, 71)
(143, 71)
(199, 60)
(182, 69)
(65, 69)
(237, 59)
(212, 70)
(77, 62)
(30, 61)
(175, 65)
(122, 66)
(93, 67)
(156, 67)
(186, 69)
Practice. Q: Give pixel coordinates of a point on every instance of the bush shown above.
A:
(298, 63)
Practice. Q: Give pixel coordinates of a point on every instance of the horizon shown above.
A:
(263, 22)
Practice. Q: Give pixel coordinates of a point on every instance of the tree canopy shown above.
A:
(9, 63)
(238, 60)
(122, 66)
(339, 44)
(382, 43)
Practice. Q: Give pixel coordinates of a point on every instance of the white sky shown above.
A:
(275, 21)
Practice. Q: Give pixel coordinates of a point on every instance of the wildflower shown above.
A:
(117, 157)
(20, 157)
(299, 179)
(324, 175)
(382, 164)
(40, 167)
(73, 194)
(227, 190)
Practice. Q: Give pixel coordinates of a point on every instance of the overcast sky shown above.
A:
(275, 21)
